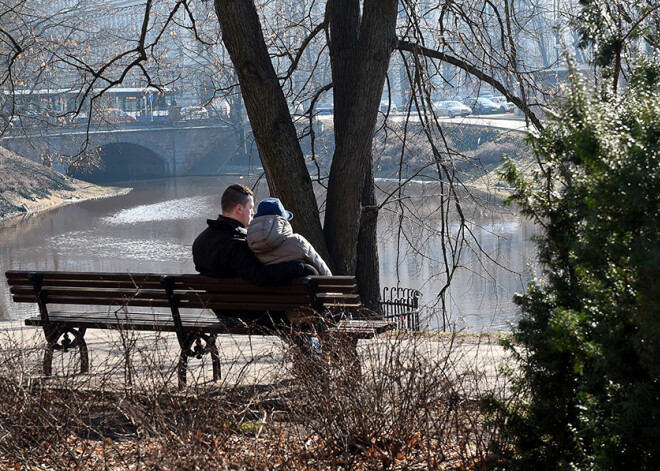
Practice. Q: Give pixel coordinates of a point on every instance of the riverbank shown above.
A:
(27, 187)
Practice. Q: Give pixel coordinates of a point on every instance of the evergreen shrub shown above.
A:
(586, 389)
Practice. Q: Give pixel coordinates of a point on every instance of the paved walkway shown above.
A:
(148, 359)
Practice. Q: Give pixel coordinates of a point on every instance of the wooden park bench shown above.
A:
(183, 304)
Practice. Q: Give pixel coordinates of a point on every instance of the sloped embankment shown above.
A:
(27, 187)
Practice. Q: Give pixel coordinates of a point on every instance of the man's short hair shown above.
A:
(234, 195)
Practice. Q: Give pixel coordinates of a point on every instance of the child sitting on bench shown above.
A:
(271, 238)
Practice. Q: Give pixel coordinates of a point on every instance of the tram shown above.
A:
(144, 104)
(127, 104)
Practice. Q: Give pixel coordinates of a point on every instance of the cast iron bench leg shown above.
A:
(353, 357)
(342, 351)
(203, 344)
(215, 358)
(54, 343)
(52, 336)
(48, 359)
(182, 367)
(82, 348)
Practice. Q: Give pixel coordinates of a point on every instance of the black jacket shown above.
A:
(222, 251)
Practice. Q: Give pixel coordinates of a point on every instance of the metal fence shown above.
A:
(401, 307)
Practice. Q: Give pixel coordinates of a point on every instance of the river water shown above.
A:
(151, 229)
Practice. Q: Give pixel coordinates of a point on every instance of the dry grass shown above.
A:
(410, 402)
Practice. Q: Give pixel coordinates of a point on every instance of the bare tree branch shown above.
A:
(473, 70)
(301, 49)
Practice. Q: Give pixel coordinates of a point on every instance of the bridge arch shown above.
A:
(181, 145)
(125, 161)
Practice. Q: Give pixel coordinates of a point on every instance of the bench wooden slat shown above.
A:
(130, 316)
(154, 277)
(109, 301)
(235, 285)
(161, 323)
(361, 329)
(91, 286)
(214, 300)
(192, 303)
(194, 282)
(86, 292)
(67, 275)
(108, 284)
(128, 285)
(330, 298)
(71, 295)
(100, 294)
(127, 318)
(243, 298)
(241, 288)
(335, 279)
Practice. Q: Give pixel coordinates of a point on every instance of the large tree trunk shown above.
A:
(360, 50)
(274, 132)
(367, 272)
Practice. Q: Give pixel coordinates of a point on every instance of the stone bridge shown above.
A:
(172, 147)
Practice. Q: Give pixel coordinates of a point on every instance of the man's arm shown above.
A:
(311, 255)
(246, 265)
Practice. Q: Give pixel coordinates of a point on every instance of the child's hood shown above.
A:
(266, 233)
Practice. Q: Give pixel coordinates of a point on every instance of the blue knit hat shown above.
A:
(273, 206)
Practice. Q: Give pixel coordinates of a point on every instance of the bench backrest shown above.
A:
(181, 291)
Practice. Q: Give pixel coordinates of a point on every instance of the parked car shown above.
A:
(385, 105)
(484, 106)
(219, 108)
(500, 100)
(194, 112)
(9, 122)
(451, 108)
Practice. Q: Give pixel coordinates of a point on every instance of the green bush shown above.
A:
(588, 342)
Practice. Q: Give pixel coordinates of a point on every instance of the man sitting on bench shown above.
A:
(222, 251)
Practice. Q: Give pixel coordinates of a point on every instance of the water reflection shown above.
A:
(493, 264)
(151, 229)
(90, 245)
(184, 208)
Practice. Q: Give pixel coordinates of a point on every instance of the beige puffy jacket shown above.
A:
(272, 240)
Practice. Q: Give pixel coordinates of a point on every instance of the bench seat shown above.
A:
(207, 321)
